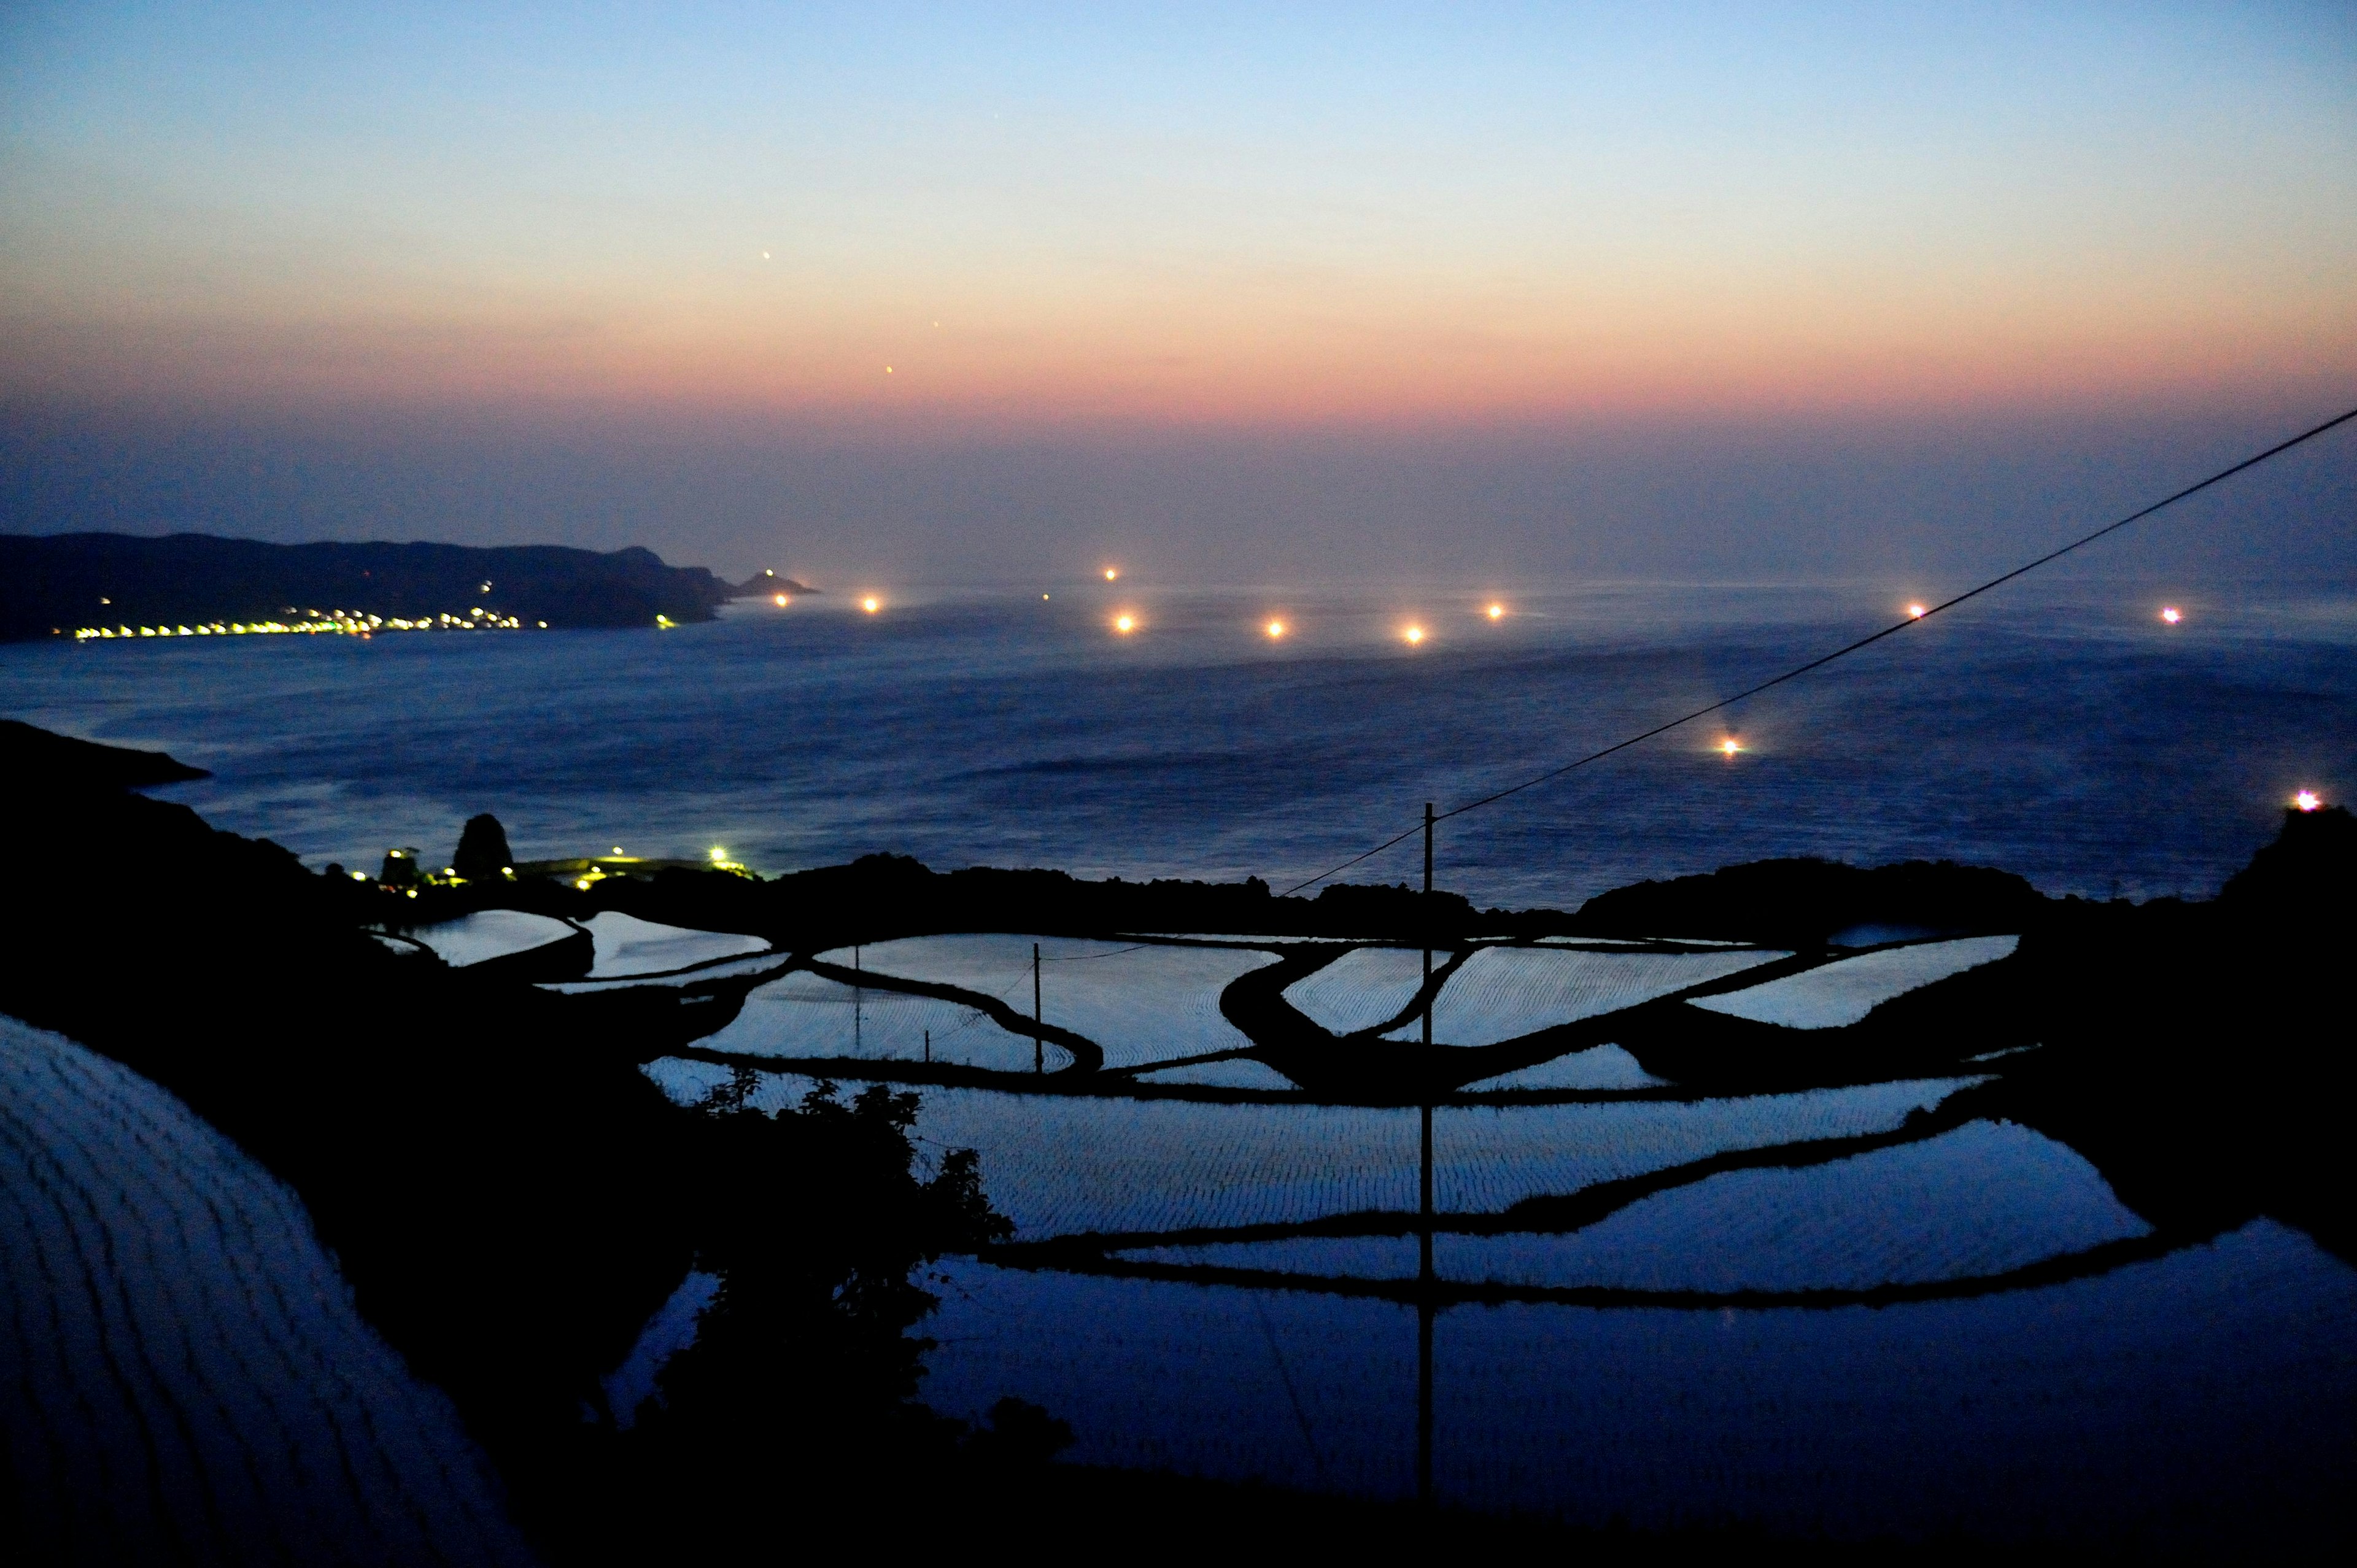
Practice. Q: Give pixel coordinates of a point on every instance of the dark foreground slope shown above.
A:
(52, 583)
(512, 1199)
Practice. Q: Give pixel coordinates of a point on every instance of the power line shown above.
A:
(1844, 652)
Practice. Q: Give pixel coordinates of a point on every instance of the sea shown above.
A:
(2040, 1365)
(2064, 731)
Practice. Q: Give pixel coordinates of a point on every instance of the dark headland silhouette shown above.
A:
(51, 584)
(512, 1198)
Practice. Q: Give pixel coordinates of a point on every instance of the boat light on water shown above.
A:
(1124, 624)
(1275, 629)
(1414, 635)
(1496, 612)
(871, 604)
(2171, 614)
(1729, 746)
(2307, 801)
(781, 601)
(1112, 573)
(1916, 612)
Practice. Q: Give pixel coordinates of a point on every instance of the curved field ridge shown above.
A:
(627, 945)
(735, 969)
(185, 1378)
(1502, 993)
(1364, 987)
(1138, 1004)
(1060, 1165)
(1236, 1072)
(1837, 995)
(1599, 1066)
(1981, 1200)
(488, 934)
(806, 1015)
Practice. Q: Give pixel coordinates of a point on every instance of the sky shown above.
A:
(1233, 292)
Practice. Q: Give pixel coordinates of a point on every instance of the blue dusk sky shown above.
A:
(1253, 293)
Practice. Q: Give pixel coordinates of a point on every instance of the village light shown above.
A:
(2306, 801)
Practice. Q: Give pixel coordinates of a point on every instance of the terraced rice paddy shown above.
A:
(1600, 1067)
(1981, 1200)
(627, 945)
(1236, 1072)
(1502, 993)
(1058, 1165)
(1364, 987)
(734, 970)
(804, 1015)
(491, 933)
(187, 1379)
(2071, 1412)
(1837, 995)
(1138, 1004)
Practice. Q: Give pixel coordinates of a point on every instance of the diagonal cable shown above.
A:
(1820, 662)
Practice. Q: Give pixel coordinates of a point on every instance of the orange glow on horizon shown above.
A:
(871, 604)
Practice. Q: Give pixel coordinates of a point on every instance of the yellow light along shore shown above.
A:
(339, 623)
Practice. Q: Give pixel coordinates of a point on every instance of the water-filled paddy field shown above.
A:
(1572, 1287)
(1852, 1310)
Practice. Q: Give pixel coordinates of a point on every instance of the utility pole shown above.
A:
(1426, 1284)
(1039, 1046)
(1427, 921)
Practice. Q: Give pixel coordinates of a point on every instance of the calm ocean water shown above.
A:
(2058, 730)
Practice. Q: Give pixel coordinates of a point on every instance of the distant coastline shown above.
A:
(58, 584)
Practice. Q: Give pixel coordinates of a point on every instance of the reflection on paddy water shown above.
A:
(1501, 994)
(1599, 1066)
(804, 1015)
(1234, 1072)
(627, 945)
(734, 970)
(488, 934)
(1981, 1200)
(2208, 1389)
(1060, 1165)
(1364, 987)
(1839, 993)
(1138, 1002)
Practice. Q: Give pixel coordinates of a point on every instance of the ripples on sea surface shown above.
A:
(2062, 731)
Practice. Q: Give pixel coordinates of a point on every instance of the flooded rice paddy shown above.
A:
(1570, 1288)
(1842, 992)
(1501, 994)
(187, 1379)
(626, 945)
(492, 934)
